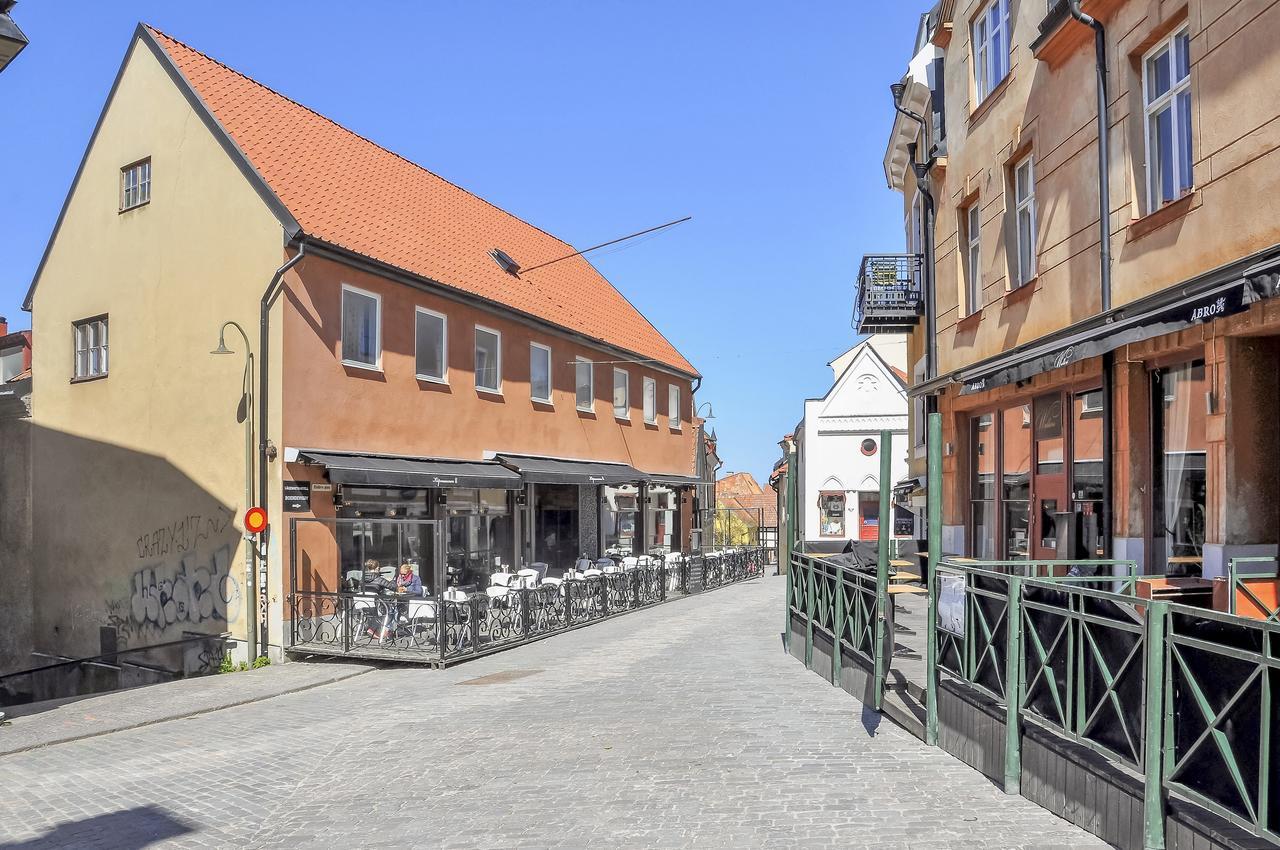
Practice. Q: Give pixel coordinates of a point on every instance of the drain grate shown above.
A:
(500, 677)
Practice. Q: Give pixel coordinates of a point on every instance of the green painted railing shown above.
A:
(837, 603)
(1243, 583)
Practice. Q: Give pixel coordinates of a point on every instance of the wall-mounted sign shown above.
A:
(321, 487)
(951, 604)
(297, 496)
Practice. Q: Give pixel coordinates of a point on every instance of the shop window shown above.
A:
(556, 530)
(831, 508)
(1015, 480)
(620, 522)
(660, 518)
(1178, 396)
(982, 491)
(479, 541)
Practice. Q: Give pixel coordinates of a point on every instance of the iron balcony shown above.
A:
(890, 295)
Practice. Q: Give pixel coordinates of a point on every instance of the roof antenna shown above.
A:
(503, 259)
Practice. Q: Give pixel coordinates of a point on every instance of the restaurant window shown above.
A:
(661, 516)
(480, 538)
(556, 530)
(430, 345)
(1166, 83)
(1024, 195)
(488, 365)
(1086, 471)
(991, 32)
(831, 509)
(90, 339)
(1015, 480)
(361, 328)
(621, 394)
(982, 492)
(540, 372)
(673, 407)
(621, 516)
(135, 184)
(381, 533)
(971, 238)
(650, 401)
(584, 383)
(1178, 402)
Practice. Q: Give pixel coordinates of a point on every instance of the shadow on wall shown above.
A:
(128, 829)
(127, 551)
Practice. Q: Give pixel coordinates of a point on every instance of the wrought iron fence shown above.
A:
(439, 629)
(839, 603)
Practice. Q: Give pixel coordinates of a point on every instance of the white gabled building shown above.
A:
(839, 441)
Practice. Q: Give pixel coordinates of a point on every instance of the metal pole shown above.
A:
(247, 397)
(790, 548)
(838, 626)
(1154, 727)
(1012, 689)
(934, 517)
(883, 601)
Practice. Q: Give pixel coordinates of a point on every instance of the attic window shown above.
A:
(503, 259)
(135, 184)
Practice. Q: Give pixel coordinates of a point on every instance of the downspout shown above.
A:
(1104, 265)
(265, 450)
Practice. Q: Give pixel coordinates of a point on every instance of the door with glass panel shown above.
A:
(1015, 481)
(1179, 483)
(1050, 487)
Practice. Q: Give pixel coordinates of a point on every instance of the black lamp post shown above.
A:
(11, 38)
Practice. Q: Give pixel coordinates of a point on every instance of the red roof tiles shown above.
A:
(347, 191)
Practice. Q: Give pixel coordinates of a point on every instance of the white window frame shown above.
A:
(673, 407)
(1025, 204)
(1169, 100)
(973, 257)
(578, 363)
(88, 344)
(649, 401)
(443, 377)
(475, 371)
(377, 328)
(140, 188)
(987, 73)
(535, 347)
(626, 384)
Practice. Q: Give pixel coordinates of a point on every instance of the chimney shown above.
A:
(4, 326)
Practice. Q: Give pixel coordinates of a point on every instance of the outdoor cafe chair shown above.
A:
(555, 576)
(499, 589)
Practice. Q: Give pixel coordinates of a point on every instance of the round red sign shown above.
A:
(255, 520)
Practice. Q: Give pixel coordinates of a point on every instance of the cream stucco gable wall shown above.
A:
(140, 475)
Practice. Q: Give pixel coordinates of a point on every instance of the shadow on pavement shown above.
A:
(129, 829)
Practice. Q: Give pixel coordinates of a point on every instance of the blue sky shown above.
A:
(764, 121)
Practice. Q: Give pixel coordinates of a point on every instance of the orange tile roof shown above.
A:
(347, 191)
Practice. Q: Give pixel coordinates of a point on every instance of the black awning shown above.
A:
(548, 470)
(382, 471)
(672, 480)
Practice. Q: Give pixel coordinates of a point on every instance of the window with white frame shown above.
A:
(621, 394)
(1024, 198)
(1166, 85)
(431, 345)
(135, 184)
(971, 239)
(540, 372)
(90, 337)
(488, 363)
(361, 328)
(673, 407)
(584, 383)
(991, 31)
(650, 401)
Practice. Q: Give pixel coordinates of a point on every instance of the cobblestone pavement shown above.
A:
(681, 726)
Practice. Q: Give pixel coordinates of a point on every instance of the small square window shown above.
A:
(90, 341)
(135, 184)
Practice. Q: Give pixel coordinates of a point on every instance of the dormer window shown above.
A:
(135, 184)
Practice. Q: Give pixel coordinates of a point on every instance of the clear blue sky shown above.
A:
(765, 121)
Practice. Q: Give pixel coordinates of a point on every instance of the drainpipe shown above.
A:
(1104, 262)
(265, 450)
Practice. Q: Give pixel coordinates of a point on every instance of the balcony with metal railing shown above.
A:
(890, 297)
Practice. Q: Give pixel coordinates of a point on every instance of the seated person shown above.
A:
(407, 582)
(373, 578)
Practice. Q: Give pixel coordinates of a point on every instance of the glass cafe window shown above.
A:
(379, 535)
(621, 519)
(982, 492)
(1178, 407)
(1086, 470)
(1015, 480)
(660, 522)
(479, 541)
(831, 511)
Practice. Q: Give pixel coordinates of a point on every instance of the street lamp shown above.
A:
(246, 404)
(711, 414)
(11, 38)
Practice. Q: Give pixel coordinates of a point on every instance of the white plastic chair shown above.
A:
(499, 586)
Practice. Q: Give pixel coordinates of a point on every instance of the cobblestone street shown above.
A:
(682, 726)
